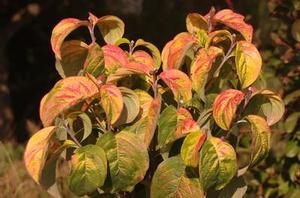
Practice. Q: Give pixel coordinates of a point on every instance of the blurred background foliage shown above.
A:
(27, 72)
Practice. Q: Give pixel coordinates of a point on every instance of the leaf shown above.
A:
(292, 149)
(195, 22)
(144, 58)
(217, 164)
(145, 101)
(201, 66)
(292, 97)
(73, 55)
(131, 106)
(190, 148)
(261, 137)
(179, 83)
(111, 27)
(296, 30)
(111, 100)
(153, 49)
(86, 121)
(170, 180)
(291, 122)
(89, 169)
(65, 94)
(235, 189)
(36, 152)
(217, 37)
(225, 106)
(165, 55)
(234, 21)
(94, 63)
(127, 157)
(268, 104)
(177, 50)
(248, 63)
(61, 31)
(114, 57)
(174, 124)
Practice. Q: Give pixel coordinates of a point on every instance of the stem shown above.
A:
(154, 85)
(91, 30)
(131, 47)
(72, 135)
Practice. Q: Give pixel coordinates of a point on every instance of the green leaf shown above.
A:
(190, 148)
(292, 97)
(291, 122)
(73, 55)
(292, 149)
(170, 180)
(86, 122)
(131, 106)
(127, 157)
(153, 49)
(94, 63)
(217, 164)
(261, 138)
(89, 169)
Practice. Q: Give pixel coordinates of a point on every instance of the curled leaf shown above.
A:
(235, 21)
(65, 94)
(225, 106)
(218, 36)
(179, 83)
(62, 30)
(111, 101)
(153, 49)
(248, 63)
(201, 66)
(195, 22)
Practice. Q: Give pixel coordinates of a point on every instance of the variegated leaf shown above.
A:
(153, 49)
(114, 58)
(94, 63)
(195, 22)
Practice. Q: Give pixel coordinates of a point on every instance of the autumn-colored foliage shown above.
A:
(131, 121)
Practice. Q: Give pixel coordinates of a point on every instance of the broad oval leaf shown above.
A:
(178, 49)
(153, 49)
(114, 58)
(131, 106)
(190, 148)
(201, 66)
(261, 138)
(73, 56)
(235, 21)
(179, 83)
(127, 157)
(145, 101)
(218, 36)
(36, 152)
(195, 22)
(225, 106)
(248, 63)
(94, 63)
(111, 27)
(170, 180)
(217, 163)
(165, 55)
(65, 94)
(174, 124)
(62, 30)
(86, 122)
(111, 100)
(89, 169)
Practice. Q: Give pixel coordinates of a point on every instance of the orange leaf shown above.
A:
(202, 65)
(114, 57)
(65, 94)
(225, 106)
(62, 30)
(178, 49)
(185, 123)
(165, 54)
(179, 83)
(111, 101)
(144, 58)
(235, 21)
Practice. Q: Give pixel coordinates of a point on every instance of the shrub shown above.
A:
(118, 124)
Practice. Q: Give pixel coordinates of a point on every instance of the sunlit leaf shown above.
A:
(153, 49)
(248, 63)
(36, 152)
(190, 148)
(145, 101)
(235, 21)
(170, 180)
(143, 58)
(73, 56)
(111, 27)
(114, 57)
(217, 164)
(65, 94)
(165, 55)
(94, 63)
(89, 169)
(179, 83)
(201, 66)
(225, 106)
(62, 30)
(195, 22)
(127, 157)
(111, 100)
